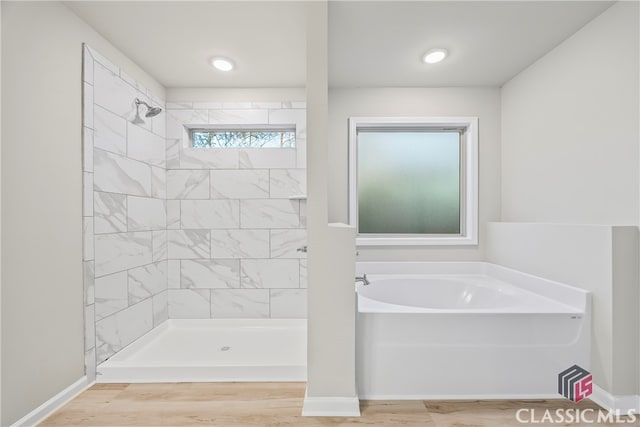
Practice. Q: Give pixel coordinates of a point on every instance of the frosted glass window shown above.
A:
(245, 138)
(408, 182)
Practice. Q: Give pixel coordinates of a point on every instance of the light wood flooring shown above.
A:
(275, 404)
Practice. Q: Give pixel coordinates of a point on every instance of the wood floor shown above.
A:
(275, 404)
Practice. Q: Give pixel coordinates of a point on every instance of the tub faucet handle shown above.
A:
(363, 279)
(302, 249)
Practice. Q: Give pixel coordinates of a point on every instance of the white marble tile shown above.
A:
(188, 244)
(122, 251)
(110, 212)
(207, 273)
(287, 182)
(173, 274)
(159, 245)
(288, 303)
(89, 327)
(87, 234)
(294, 104)
(111, 294)
(236, 105)
(160, 308)
(159, 122)
(238, 117)
(240, 184)
(208, 105)
(87, 196)
(240, 303)
(145, 146)
(303, 273)
(179, 105)
(118, 174)
(209, 213)
(209, 158)
(285, 243)
(114, 94)
(173, 214)
(130, 80)
(146, 281)
(115, 332)
(90, 364)
(240, 243)
(187, 184)
(288, 117)
(303, 213)
(110, 131)
(173, 153)
(87, 66)
(158, 182)
(270, 273)
(266, 105)
(301, 152)
(103, 61)
(87, 105)
(144, 213)
(177, 119)
(89, 282)
(259, 158)
(189, 303)
(87, 149)
(274, 213)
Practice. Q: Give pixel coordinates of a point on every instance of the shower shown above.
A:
(151, 111)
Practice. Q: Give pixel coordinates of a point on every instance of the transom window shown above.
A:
(243, 138)
(413, 181)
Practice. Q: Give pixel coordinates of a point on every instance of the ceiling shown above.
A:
(173, 41)
(371, 43)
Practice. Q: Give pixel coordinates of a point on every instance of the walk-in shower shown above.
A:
(191, 265)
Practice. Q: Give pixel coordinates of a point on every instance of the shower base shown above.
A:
(212, 350)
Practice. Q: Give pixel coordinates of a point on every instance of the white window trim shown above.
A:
(469, 205)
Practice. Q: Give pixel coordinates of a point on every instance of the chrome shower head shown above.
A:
(151, 111)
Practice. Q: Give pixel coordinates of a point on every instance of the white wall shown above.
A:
(570, 128)
(481, 102)
(42, 319)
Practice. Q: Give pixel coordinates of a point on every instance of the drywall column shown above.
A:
(331, 256)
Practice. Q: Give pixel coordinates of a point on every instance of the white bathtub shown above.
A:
(466, 330)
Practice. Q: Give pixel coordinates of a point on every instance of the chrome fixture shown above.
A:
(363, 279)
(302, 249)
(151, 111)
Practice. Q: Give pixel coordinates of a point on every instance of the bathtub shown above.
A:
(466, 330)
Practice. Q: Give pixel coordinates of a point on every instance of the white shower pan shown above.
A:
(212, 350)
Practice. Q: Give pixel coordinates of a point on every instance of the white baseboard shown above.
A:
(331, 406)
(56, 402)
(623, 404)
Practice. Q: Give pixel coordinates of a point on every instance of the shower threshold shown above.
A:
(213, 350)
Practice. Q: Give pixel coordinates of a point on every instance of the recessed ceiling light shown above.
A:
(435, 55)
(222, 64)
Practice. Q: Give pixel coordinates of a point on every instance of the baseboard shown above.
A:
(622, 404)
(331, 406)
(56, 402)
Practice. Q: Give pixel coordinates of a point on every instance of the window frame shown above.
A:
(468, 179)
(241, 128)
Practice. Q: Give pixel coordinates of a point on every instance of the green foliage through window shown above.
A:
(255, 138)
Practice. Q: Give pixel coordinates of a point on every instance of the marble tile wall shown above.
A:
(233, 226)
(125, 212)
(176, 232)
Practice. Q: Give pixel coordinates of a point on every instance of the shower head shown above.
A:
(151, 111)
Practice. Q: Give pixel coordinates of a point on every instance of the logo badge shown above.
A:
(575, 383)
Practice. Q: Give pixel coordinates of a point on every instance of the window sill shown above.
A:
(416, 241)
